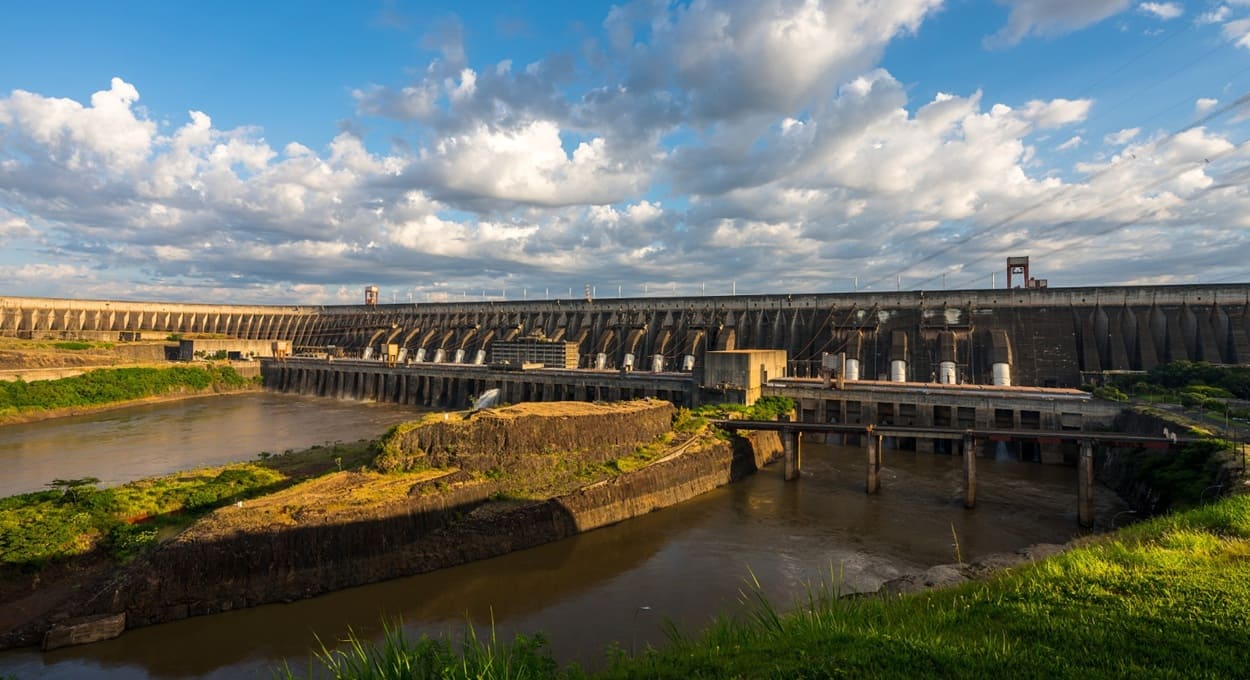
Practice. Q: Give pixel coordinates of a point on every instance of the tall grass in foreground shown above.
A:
(1169, 597)
(524, 658)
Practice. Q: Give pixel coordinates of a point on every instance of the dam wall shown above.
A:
(453, 385)
(1050, 337)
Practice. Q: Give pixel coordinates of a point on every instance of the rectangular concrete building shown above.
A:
(741, 373)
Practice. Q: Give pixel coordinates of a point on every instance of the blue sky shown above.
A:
(295, 152)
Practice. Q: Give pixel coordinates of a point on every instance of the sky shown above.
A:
(296, 152)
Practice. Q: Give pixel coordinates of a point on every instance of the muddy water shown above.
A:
(152, 439)
(620, 584)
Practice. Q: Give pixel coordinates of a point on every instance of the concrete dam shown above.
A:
(1046, 337)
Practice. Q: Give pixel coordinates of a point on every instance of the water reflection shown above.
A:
(153, 439)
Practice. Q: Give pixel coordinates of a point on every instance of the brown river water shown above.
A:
(617, 585)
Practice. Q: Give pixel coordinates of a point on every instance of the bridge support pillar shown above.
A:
(970, 471)
(873, 445)
(790, 445)
(1085, 484)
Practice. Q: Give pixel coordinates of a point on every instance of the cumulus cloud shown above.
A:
(1161, 10)
(704, 142)
(1049, 18)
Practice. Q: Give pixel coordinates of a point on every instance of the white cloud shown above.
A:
(1237, 32)
(1048, 18)
(106, 135)
(1056, 112)
(1162, 10)
(1204, 104)
(1215, 16)
(1072, 143)
(1122, 137)
(528, 164)
(13, 226)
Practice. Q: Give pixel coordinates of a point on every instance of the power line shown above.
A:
(1066, 189)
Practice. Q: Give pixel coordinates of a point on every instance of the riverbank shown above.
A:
(367, 525)
(106, 389)
(1164, 598)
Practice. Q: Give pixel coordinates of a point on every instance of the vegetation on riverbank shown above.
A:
(1169, 597)
(764, 408)
(1190, 384)
(75, 517)
(113, 385)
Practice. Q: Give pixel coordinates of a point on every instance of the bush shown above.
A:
(1110, 393)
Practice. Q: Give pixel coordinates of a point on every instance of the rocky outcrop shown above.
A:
(442, 522)
(529, 436)
(84, 631)
(947, 575)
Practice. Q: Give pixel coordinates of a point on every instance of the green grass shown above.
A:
(765, 408)
(74, 517)
(56, 525)
(110, 385)
(523, 658)
(1169, 597)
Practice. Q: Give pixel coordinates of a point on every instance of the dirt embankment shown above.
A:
(353, 528)
(526, 437)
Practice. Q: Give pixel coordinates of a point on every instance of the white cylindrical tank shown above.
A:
(1002, 375)
(440, 356)
(898, 371)
(480, 357)
(852, 369)
(657, 363)
(628, 362)
(459, 357)
(946, 372)
(687, 363)
(420, 355)
(601, 361)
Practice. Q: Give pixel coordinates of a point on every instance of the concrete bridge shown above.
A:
(871, 436)
(1039, 336)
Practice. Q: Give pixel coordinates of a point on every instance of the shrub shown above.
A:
(1110, 393)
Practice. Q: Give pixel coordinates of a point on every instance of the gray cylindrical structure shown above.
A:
(459, 357)
(852, 369)
(657, 363)
(946, 372)
(1002, 374)
(898, 371)
(440, 356)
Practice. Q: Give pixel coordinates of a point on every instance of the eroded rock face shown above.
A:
(530, 436)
